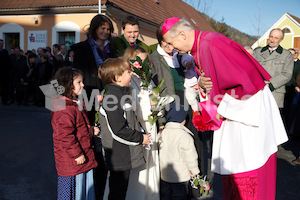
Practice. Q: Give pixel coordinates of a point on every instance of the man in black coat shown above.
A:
(290, 87)
(18, 62)
(4, 74)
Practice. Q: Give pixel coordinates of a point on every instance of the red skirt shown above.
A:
(259, 184)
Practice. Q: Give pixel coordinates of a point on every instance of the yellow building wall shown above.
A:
(46, 22)
(288, 38)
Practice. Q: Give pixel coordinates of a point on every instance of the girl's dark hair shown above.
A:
(45, 57)
(31, 55)
(68, 54)
(97, 21)
(65, 77)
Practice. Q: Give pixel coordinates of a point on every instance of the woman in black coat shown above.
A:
(88, 56)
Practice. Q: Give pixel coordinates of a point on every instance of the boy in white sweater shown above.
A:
(177, 155)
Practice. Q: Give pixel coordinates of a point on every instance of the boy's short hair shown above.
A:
(130, 20)
(112, 67)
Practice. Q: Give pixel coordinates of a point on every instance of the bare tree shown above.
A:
(257, 25)
(202, 6)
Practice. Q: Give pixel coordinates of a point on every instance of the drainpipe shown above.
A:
(99, 6)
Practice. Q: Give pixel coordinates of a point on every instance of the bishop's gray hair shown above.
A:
(181, 25)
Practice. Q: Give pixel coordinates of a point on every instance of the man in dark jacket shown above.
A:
(290, 87)
(4, 74)
(18, 62)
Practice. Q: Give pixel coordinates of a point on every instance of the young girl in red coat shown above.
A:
(72, 139)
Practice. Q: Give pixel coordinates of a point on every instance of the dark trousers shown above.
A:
(22, 94)
(288, 100)
(173, 191)
(100, 175)
(118, 183)
(4, 84)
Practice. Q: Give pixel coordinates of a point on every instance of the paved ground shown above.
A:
(27, 170)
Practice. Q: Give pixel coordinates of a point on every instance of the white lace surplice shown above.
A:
(250, 134)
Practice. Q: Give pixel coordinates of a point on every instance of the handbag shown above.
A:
(207, 120)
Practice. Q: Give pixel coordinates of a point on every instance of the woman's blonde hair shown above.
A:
(132, 51)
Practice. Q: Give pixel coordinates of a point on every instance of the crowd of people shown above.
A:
(22, 74)
(131, 157)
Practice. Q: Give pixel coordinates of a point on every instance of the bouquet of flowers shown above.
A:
(200, 182)
(158, 103)
(142, 69)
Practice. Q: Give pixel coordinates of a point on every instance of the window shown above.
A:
(286, 30)
(65, 32)
(67, 38)
(13, 35)
(12, 40)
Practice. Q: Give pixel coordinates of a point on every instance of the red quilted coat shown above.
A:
(72, 137)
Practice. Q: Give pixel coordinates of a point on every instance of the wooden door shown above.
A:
(297, 42)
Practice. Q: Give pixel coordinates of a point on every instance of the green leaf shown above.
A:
(196, 182)
(155, 118)
(132, 61)
(156, 90)
(206, 191)
(150, 120)
(139, 60)
(161, 82)
(105, 90)
(148, 76)
(96, 117)
(137, 71)
(201, 191)
(163, 90)
(153, 98)
(145, 65)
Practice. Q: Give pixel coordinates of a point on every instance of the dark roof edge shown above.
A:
(113, 6)
(47, 9)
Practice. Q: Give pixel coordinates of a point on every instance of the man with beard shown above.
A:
(278, 62)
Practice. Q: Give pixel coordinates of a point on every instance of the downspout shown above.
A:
(99, 6)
